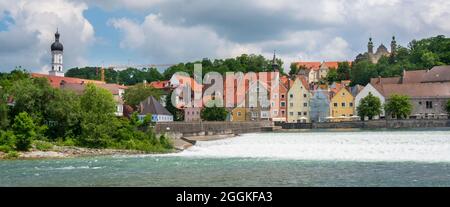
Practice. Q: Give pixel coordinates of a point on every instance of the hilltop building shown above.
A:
(382, 51)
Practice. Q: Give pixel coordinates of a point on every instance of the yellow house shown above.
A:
(238, 114)
(342, 104)
(298, 102)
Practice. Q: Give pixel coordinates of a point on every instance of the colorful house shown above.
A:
(342, 104)
(298, 102)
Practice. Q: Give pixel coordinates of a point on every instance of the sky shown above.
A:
(135, 32)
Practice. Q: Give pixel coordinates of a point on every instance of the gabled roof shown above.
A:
(152, 106)
(379, 80)
(55, 81)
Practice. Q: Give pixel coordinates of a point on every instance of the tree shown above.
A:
(63, 115)
(3, 115)
(214, 113)
(343, 71)
(134, 95)
(97, 107)
(24, 130)
(399, 106)
(294, 69)
(361, 73)
(369, 106)
(332, 76)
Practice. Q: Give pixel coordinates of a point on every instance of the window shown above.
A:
(335, 105)
(282, 113)
(283, 104)
(305, 104)
(282, 95)
(429, 104)
(299, 113)
(343, 94)
(305, 113)
(351, 104)
(291, 95)
(291, 104)
(239, 114)
(291, 113)
(188, 113)
(275, 113)
(420, 102)
(343, 104)
(304, 95)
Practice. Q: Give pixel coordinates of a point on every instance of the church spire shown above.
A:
(275, 66)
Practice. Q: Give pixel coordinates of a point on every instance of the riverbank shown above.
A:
(60, 152)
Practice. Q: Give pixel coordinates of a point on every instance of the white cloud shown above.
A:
(32, 32)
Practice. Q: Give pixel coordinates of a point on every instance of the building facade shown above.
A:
(320, 106)
(342, 104)
(298, 102)
(370, 89)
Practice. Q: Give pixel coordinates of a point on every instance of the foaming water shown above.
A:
(365, 146)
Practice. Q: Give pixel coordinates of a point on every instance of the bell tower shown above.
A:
(57, 57)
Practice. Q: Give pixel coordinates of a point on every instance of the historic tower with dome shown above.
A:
(57, 57)
(381, 51)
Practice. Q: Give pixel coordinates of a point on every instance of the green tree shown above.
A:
(134, 95)
(332, 76)
(214, 113)
(343, 71)
(294, 69)
(399, 106)
(369, 106)
(98, 107)
(25, 131)
(361, 73)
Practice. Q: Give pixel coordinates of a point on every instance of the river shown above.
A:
(308, 158)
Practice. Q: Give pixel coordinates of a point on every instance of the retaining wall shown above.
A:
(186, 129)
(373, 124)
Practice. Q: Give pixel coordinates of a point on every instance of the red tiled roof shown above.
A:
(160, 84)
(393, 80)
(316, 65)
(55, 81)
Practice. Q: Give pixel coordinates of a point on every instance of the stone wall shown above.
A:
(374, 124)
(187, 129)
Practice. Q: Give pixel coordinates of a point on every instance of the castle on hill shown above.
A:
(382, 51)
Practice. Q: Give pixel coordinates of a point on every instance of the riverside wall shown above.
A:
(190, 129)
(373, 124)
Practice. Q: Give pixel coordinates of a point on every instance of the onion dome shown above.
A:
(57, 46)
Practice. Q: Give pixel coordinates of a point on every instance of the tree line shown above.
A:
(32, 113)
(131, 76)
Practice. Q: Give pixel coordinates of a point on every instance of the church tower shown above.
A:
(57, 57)
(370, 46)
(393, 46)
(275, 66)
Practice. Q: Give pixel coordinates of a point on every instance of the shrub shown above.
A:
(43, 145)
(7, 140)
(24, 130)
(5, 148)
(12, 155)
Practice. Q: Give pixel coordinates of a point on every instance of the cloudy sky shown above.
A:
(108, 32)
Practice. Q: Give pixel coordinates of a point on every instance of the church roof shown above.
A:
(55, 81)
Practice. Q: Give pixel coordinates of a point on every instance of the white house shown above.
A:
(365, 92)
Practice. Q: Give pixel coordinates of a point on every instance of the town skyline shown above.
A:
(147, 32)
